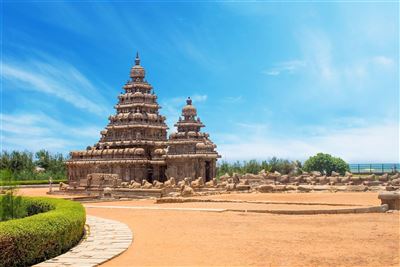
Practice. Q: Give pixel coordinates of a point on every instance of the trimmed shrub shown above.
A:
(57, 226)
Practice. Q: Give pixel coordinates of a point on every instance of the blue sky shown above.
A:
(268, 79)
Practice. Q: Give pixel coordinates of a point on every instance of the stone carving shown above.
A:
(384, 177)
(185, 181)
(243, 185)
(335, 174)
(63, 186)
(370, 177)
(333, 180)
(211, 183)
(146, 185)
(315, 173)
(187, 191)
(224, 177)
(395, 176)
(170, 183)
(199, 182)
(134, 185)
(236, 178)
(395, 182)
(283, 179)
(230, 186)
(158, 185)
(345, 179)
(107, 192)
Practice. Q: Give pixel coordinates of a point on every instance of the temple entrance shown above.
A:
(162, 174)
(208, 175)
(150, 174)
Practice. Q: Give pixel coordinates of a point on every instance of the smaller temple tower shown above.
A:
(190, 152)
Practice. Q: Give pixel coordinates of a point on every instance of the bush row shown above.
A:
(53, 227)
(31, 182)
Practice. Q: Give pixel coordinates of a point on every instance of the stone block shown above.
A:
(392, 199)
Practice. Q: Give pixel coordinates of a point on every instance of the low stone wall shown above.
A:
(342, 210)
(392, 199)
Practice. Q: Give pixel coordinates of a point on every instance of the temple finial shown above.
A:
(137, 59)
(189, 101)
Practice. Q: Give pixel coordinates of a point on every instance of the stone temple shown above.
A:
(135, 145)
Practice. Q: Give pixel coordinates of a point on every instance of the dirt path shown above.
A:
(192, 238)
(170, 238)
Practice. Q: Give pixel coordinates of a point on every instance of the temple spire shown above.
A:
(188, 101)
(137, 59)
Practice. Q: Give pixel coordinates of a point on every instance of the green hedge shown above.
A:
(42, 236)
(31, 182)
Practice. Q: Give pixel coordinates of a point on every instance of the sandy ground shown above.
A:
(193, 238)
(42, 192)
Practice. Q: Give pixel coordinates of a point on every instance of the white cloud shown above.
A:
(286, 66)
(272, 72)
(370, 143)
(199, 98)
(55, 78)
(317, 49)
(40, 131)
(232, 99)
(383, 61)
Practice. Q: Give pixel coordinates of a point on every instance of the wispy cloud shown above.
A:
(232, 99)
(317, 51)
(52, 77)
(325, 67)
(285, 67)
(383, 61)
(40, 131)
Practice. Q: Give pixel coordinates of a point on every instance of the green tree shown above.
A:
(325, 163)
(251, 167)
(43, 159)
(10, 204)
(223, 168)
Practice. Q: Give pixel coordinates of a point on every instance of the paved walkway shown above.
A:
(106, 239)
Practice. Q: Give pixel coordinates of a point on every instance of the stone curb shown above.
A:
(372, 209)
(155, 208)
(185, 200)
(105, 240)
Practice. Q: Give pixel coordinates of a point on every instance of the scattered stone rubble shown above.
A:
(263, 182)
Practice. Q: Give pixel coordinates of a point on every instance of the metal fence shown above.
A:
(375, 168)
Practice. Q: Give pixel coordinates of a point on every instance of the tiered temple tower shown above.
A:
(190, 152)
(133, 143)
